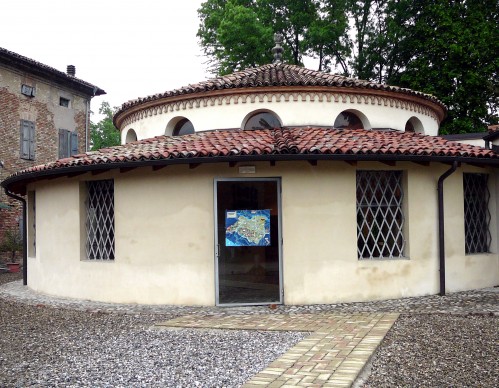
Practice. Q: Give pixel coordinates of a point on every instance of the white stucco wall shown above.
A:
(165, 237)
(310, 112)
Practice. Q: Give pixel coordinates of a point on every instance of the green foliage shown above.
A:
(104, 133)
(447, 48)
(450, 50)
(327, 36)
(12, 243)
(239, 21)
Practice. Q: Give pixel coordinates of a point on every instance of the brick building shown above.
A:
(44, 115)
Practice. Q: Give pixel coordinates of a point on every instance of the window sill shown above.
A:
(364, 260)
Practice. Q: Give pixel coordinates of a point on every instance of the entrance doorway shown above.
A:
(248, 241)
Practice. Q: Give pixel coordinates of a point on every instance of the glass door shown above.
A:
(248, 241)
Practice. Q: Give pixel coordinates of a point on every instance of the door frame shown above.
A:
(279, 231)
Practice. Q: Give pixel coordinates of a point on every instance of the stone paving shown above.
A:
(333, 355)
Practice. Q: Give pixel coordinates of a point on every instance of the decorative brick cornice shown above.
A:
(277, 95)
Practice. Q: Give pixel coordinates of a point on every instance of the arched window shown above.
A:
(348, 120)
(262, 120)
(414, 125)
(183, 127)
(130, 136)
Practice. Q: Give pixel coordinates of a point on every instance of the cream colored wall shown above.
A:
(165, 237)
(323, 267)
(291, 113)
(473, 142)
(474, 270)
(163, 233)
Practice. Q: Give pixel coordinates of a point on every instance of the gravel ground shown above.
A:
(438, 351)
(10, 277)
(76, 343)
(48, 347)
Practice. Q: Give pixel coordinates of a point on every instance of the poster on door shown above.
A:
(247, 228)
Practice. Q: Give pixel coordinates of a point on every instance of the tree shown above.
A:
(12, 243)
(327, 36)
(238, 33)
(292, 19)
(447, 48)
(450, 50)
(104, 133)
(247, 40)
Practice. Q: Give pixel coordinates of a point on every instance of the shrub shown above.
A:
(12, 243)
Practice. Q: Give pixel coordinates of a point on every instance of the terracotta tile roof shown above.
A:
(268, 144)
(276, 74)
(26, 64)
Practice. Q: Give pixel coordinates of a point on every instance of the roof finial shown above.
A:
(277, 50)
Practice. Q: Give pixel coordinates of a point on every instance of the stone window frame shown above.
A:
(380, 214)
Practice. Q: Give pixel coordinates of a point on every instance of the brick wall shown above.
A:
(44, 110)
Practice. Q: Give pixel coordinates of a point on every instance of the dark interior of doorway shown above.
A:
(248, 274)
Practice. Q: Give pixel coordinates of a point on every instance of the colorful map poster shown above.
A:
(247, 228)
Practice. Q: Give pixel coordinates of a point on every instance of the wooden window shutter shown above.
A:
(31, 140)
(63, 143)
(74, 143)
(27, 140)
(24, 140)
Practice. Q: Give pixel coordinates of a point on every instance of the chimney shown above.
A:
(71, 70)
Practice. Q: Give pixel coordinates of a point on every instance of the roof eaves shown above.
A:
(21, 180)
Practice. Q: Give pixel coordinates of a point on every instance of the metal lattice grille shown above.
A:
(476, 213)
(100, 220)
(380, 219)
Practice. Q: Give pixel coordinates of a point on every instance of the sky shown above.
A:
(128, 48)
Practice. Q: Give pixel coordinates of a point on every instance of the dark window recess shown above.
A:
(348, 120)
(183, 127)
(476, 213)
(28, 90)
(27, 140)
(262, 120)
(68, 143)
(409, 127)
(64, 102)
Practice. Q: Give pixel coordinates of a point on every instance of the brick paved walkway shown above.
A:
(333, 354)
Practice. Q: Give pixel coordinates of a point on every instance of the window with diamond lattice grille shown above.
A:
(476, 213)
(380, 219)
(100, 220)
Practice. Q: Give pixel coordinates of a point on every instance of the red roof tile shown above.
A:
(268, 144)
(276, 74)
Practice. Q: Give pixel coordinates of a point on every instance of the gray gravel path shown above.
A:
(438, 351)
(45, 341)
(49, 347)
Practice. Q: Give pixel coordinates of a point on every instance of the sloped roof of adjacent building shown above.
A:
(280, 144)
(31, 66)
(276, 75)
